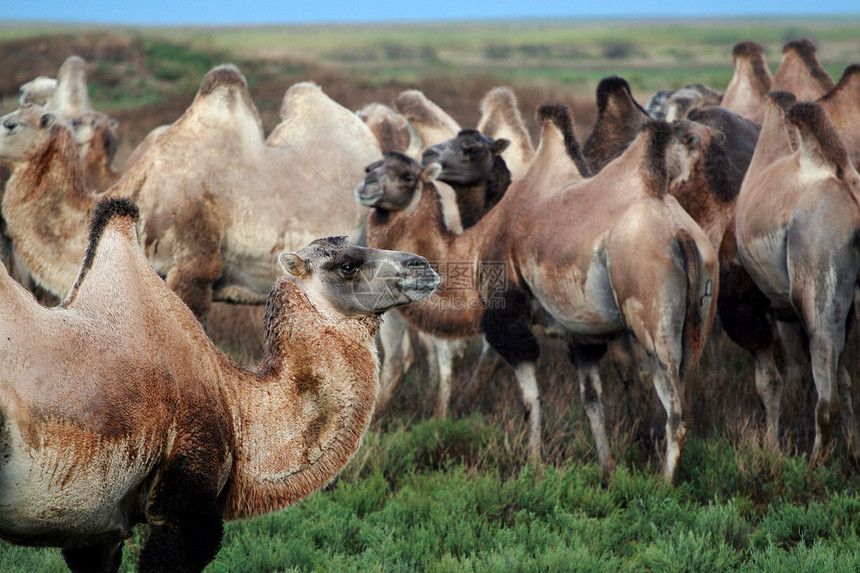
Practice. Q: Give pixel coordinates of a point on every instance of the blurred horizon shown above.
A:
(265, 12)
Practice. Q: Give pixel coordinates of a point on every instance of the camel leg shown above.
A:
(449, 355)
(507, 331)
(586, 358)
(104, 558)
(846, 413)
(667, 382)
(825, 359)
(769, 385)
(488, 363)
(398, 357)
(185, 525)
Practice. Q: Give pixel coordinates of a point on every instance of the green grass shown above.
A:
(443, 496)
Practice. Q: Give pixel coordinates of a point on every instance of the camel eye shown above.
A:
(407, 178)
(348, 268)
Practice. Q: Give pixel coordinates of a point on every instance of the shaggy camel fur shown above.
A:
(619, 119)
(212, 226)
(116, 409)
(842, 105)
(501, 119)
(670, 105)
(617, 225)
(796, 225)
(801, 73)
(750, 82)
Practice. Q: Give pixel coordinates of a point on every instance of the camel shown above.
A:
(796, 227)
(390, 128)
(501, 119)
(619, 119)
(124, 412)
(801, 73)
(479, 179)
(428, 123)
(212, 226)
(750, 82)
(670, 105)
(842, 104)
(626, 241)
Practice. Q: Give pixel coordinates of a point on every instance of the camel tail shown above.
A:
(693, 336)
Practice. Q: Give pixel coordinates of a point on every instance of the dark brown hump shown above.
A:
(781, 99)
(106, 210)
(815, 128)
(747, 50)
(806, 51)
(559, 115)
(753, 52)
(223, 75)
(848, 76)
(653, 167)
(614, 88)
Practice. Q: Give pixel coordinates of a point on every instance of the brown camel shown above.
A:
(619, 119)
(801, 73)
(796, 225)
(670, 105)
(842, 105)
(631, 258)
(116, 409)
(212, 226)
(750, 82)
(501, 119)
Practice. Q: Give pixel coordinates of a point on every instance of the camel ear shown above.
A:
(47, 120)
(293, 264)
(720, 136)
(431, 172)
(500, 145)
(113, 123)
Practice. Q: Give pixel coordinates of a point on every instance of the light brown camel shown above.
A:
(212, 226)
(630, 258)
(670, 105)
(750, 82)
(116, 409)
(501, 119)
(796, 225)
(390, 128)
(842, 105)
(801, 73)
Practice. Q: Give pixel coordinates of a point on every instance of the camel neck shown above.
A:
(299, 421)
(455, 310)
(49, 188)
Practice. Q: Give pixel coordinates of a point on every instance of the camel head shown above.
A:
(94, 129)
(691, 143)
(466, 159)
(345, 280)
(24, 132)
(394, 182)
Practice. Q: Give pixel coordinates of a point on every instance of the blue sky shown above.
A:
(224, 12)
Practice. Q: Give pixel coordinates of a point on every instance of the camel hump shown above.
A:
(297, 93)
(225, 75)
(820, 139)
(803, 48)
(71, 96)
(747, 50)
(613, 89)
(849, 76)
(654, 169)
(781, 99)
(557, 114)
(105, 211)
(500, 99)
(416, 107)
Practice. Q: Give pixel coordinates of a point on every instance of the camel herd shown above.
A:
(740, 208)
